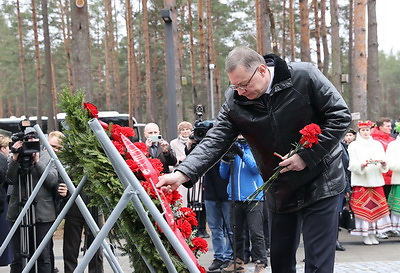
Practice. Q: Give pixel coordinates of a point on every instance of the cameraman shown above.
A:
(18, 174)
(246, 180)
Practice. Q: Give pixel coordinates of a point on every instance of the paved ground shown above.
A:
(382, 258)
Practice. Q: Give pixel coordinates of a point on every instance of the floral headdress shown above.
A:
(363, 124)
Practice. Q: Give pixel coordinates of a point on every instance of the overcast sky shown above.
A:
(388, 17)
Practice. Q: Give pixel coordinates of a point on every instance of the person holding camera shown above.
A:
(269, 101)
(245, 180)
(24, 171)
(159, 147)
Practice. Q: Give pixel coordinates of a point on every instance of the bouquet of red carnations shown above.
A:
(309, 137)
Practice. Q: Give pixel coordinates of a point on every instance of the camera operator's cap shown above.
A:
(30, 131)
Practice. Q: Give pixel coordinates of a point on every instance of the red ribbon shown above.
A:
(151, 176)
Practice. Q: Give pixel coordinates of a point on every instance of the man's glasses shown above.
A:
(244, 86)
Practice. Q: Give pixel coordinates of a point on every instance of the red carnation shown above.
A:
(199, 244)
(94, 113)
(157, 164)
(142, 147)
(310, 135)
(185, 227)
(119, 146)
(133, 165)
(189, 215)
(149, 189)
(175, 196)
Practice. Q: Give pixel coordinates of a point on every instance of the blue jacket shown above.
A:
(246, 176)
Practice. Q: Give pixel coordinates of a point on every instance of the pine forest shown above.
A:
(115, 51)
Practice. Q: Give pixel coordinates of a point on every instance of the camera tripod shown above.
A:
(28, 225)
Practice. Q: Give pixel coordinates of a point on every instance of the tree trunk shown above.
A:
(291, 32)
(117, 74)
(335, 38)
(259, 28)
(49, 112)
(203, 54)
(283, 43)
(81, 50)
(171, 5)
(351, 53)
(317, 34)
(133, 87)
(54, 94)
(213, 60)
(304, 31)
(39, 112)
(192, 56)
(324, 35)
(273, 29)
(360, 60)
(374, 87)
(149, 93)
(22, 64)
(109, 50)
(66, 32)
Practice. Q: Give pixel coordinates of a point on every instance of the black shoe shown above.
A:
(225, 264)
(215, 265)
(339, 246)
(246, 260)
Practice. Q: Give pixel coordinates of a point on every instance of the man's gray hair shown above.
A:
(245, 56)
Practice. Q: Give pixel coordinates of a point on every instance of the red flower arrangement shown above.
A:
(309, 137)
(184, 217)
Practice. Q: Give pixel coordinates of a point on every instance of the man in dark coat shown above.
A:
(269, 102)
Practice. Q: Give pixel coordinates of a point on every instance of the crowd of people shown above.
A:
(217, 173)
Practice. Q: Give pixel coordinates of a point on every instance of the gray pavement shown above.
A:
(382, 258)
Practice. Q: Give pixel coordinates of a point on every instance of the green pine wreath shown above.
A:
(82, 153)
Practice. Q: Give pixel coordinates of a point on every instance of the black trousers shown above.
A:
(252, 214)
(319, 225)
(43, 262)
(73, 228)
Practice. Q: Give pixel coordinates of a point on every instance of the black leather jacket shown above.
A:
(300, 95)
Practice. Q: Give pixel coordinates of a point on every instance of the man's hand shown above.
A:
(149, 142)
(171, 181)
(293, 163)
(62, 189)
(16, 146)
(164, 146)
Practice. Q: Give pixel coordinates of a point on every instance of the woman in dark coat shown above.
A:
(6, 257)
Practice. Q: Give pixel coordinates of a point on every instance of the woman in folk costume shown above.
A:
(367, 163)
(392, 155)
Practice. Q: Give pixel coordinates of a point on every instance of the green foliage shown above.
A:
(389, 68)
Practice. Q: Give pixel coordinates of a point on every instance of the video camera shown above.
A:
(200, 127)
(28, 147)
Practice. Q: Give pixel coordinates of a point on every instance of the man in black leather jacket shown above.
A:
(268, 102)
